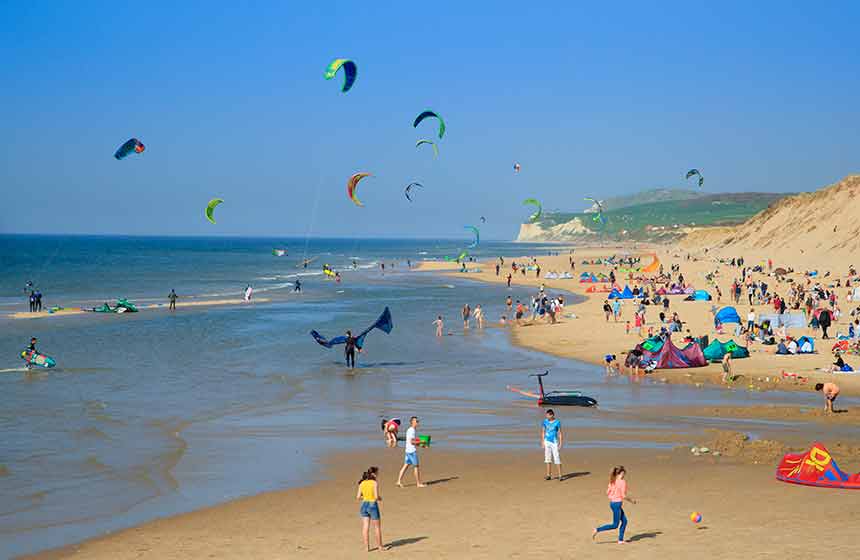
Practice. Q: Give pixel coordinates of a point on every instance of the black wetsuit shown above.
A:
(349, 350)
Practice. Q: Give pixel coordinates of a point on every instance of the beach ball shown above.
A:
(695, 517)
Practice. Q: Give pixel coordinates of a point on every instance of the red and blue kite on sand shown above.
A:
(815, 468)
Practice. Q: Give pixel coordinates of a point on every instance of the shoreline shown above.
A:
(65, 312)
(588, 336)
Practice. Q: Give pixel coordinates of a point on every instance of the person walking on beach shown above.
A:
(824, 320)
(607, 310)
(830, 391)
(350, 346)
(551, 439)
(38, 296)
(440, 325)
(368, 494)
(728, 373)
(467, 312)
(520, 311)
(32, 302)
(172, 299)
(411, 457)
(617, 493)
(616, 309)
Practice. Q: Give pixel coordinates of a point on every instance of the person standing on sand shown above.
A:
(509, 279)
(831, 391)
(607, 310)
(368, 493)
(728, 374)
(617, 493)
(616, 309)
(551, 439)
(172, 299)
(411, 454)
(440, 325)
(467, 312)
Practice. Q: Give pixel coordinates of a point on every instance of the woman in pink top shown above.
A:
(617, 492)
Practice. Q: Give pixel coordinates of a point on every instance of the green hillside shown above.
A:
(643, 220)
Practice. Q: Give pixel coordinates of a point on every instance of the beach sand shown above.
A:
(497, 505)
(589, 337)
(145, 307)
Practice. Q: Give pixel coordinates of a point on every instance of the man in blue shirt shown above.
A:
(551, 440)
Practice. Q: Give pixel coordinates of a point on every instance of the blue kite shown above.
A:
(384, 323)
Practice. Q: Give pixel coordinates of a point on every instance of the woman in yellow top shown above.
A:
(368, 493)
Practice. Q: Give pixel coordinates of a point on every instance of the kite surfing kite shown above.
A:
(210, 208)
(432, 143)
(352, 185)
(516, 168)
(350, 72)
(816, 467)
(462, 256)
(483, 220)
(533, 202)
(132, 145)
(426, 114)
(384, 323)
(408, 190)
(555, 398)
(694, 172)
(597, 208)
(477, 233)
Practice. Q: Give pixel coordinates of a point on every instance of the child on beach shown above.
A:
(831, 391)
(551, 440)
(368, 493)
(411, 454)
(479, 316)
(617, 493)
(440, 325)
(611, 362)
(390, 429)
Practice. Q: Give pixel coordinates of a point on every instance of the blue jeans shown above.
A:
(617, 515)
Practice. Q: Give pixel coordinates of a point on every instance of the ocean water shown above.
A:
(156, 413)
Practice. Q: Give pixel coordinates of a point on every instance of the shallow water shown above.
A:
(156, 413)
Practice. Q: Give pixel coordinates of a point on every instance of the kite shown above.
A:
(384, 323)
(597, 205)
(132, 145)
(516, 168)
(210, 208)
(693, 172)
(352, 185)
(463, 256)
(483, 220)
(432, 143)
(816, 467)
(477, 233)
(408, 190)
(350, 72)
(536, 216)
(429, 113)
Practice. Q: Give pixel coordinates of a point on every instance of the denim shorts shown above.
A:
(369, 509)
(411, 459)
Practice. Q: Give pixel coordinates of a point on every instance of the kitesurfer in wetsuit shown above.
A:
(172, 299)
(31, 348)
(349, 349)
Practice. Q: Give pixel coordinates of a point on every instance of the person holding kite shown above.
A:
(355, 343)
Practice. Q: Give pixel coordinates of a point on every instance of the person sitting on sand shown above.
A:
(368, 493)
(831, 391)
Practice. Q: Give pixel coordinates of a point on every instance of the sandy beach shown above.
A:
(497, 505)
(146, 307)
(588, 336)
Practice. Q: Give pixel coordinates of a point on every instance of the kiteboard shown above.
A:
(37, 359)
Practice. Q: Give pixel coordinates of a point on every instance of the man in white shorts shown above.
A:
(551, 440)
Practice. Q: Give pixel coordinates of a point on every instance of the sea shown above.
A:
(155, 413)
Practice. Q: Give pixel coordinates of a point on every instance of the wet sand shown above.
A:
(146, 307)
(588, 336)
(497, 505)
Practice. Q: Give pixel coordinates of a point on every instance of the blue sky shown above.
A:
(230, 102)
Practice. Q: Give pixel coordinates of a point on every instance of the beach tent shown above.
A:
(715, 351)
(627, 293)
(816, 467)
(698, 295)
(727, 315)
(805, 345)
(670, 356)
(654, 266)
(789, 320)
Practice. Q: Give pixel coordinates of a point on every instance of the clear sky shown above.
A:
(231, 102)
